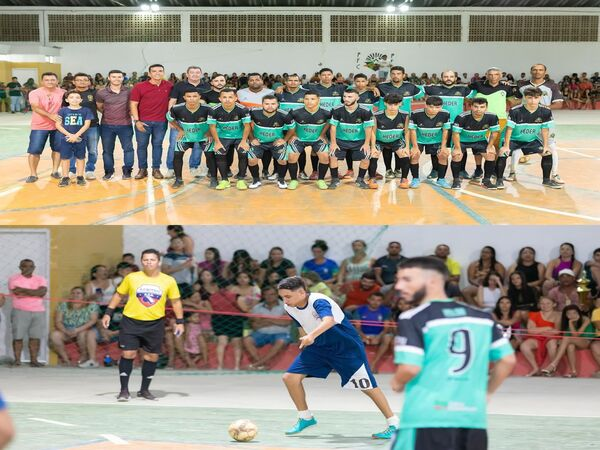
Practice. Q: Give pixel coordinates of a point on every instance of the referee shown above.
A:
(143, 323)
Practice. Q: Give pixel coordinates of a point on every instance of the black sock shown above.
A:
(361, 173)
(125, 368)
(405, 166)
(478, 166)
(242, 165)
(441, 170)
(349, 160)
(455, 167)
(463, 161)
(322, 170)
(302, 161)
(211, 163)
(434, 162)
(281, 170)
(148, 369)
(230, 155)
(255, 173)
(178, 164)
(414, 170)
(222, 166)
(293, 169)
(387, 158)
(335, 173)
(546, 166)
(488, 169)
(397, 162)
(266, 161)
(314, 160)
(373, 167)
(500, 166)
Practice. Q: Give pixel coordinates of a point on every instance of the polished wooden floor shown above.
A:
(149, 202)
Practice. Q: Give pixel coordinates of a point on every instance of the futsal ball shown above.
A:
(243, 430)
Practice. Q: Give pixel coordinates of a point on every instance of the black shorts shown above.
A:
(298, 146)
(183, 146)
(390, 146)
(257, 151)
(528, 148)
(350, 146)
(430, 149)
(147, 334)
(229, 145)
(475, 147)
(441, 439)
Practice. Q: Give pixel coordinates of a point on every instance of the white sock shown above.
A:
(306, 415)
(516, 154)
(393, 421)
(554, 152)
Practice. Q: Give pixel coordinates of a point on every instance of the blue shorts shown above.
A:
(70, 149)
(262, 339)
(354, 147)
(37, 141)
(528, 148)
(351, 364)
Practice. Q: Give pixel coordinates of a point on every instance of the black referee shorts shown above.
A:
(147, 334)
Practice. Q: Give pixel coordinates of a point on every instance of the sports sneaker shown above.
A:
(432, 175)
(213, 183)
(441, 182)
(281, 184)
(241, 185)
(321, 184)
(388, 433)
(265, 175)
(464, 175)
(314, 176)
(348, 175)
(177, 183)
(146, 394)
(90, 175)
(81, 181)
(552, 184)
(293, 185)
(55, 175)
(500, 184)
(378, 176)
(303, 176)
(372, 184)
(123, 396)
(361, 183)
(170, 174)
(389, 174)
(88, 364)
(223, 184)
(487, 184)
(556, 177)
(31, 179)
(523, 159)
(126, 175)
(456, 183)
(108, 176)
(196, 172)
(272, 177)
(415, 183)
(404, 184)
(398, 173)
(255, 184)
(64, 182)
(301, 425)
(511, 177)
(72, 175)
(335, 182)
(478, 174)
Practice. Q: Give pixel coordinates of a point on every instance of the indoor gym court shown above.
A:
(148, 202)
(79, 411)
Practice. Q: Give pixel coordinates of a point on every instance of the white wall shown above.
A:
(465, 241)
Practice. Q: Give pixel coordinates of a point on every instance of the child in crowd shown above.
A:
(195, 344)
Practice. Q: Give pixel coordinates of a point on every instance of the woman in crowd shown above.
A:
(541, 339)
(478, 270)
(276, 263)
(180, 266)
(532, 269)
(246, 290)
(524, 297)
(74, 322)
(213, 263)
(326, 268)
(352, 268)
(506, 315)
(188, 242)
(592, 272)
(577, 330)
(317, 286)
(566, 260)
(101, 287)
(490, 291)
(241, 262)
(207, 285)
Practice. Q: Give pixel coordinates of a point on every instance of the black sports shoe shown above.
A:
(127, 174)
(55, 175)
(499, 183)
(146, 394)
(478, 174)
(177, 183)
(64, 182)
(360, 182)
(123, 396)
(81, 181)
(108, 176)
(335, 182)
(213, 183)
(487, 184)
(456, 184)
(552, 184)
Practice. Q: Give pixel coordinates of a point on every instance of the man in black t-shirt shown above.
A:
(385, 268)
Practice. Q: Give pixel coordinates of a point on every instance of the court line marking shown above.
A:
(531, 207)
(579, 153)
(114, 439)
(460, 205)
(53, 422)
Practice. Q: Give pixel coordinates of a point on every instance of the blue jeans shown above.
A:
(16, 104)
(155, 131)
(90, 137)
(109, 135)
(195, 157)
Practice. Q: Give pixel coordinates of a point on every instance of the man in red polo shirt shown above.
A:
(357, 292)
(149, 102)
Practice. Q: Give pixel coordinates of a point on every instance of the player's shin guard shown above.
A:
(222, 165)
(435, 162)
(441, 170)
(349, 160)
(387, 159)
(255, 173)
(414, 170)
(397, 161)
(463, 161)
(125, 368)
(148, 370)
(489, 168)
(281, 170)
(373, 168)
(211, 163)
(178, 164)
(500, 167)
(335, 173)
(404, 164)
(302, 161)
(266, 161)
(456, 167)
(314, 160)
(322, 170)
(242, 165)
(293, 170)
(361, 173)
(546, 166)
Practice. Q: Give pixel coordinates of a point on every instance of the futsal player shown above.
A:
(407, 91)
(527, 133)
(328, 342)
(7, 430)
(217, 84)
(331, 94)
(190, 119)
(292, 96)
(143, 322)
(351, 128)
(443, 350)
(269, 133)
(429, 129)
(367, 98)
(310, 127)
(229, 124)
(391, 124)
(476, 130)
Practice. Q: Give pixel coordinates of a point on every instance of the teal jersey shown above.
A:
(291, 100)
(230, 124)
(390, 130)
(472, 130)
(270, 128)
(193, 123)
(527, 126)
(309, 126)
(407, 91)
(453, 97)
(331, 96)
(429, 129)
(453, 345)
(351, 125)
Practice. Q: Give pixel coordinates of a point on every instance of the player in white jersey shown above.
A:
(328, 342)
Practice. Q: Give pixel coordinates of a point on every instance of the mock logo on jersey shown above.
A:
(318, 121)
(485, 127)
(400, 125)
(538, 120)
(439, 124)
(358, 120)
(235, 118)
(148, 294)
(458, 94)
(406, 93)
(335, 94)
(276, 124)
(90, 98)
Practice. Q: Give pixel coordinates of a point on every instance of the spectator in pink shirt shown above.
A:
(28, 314)
(45, 103)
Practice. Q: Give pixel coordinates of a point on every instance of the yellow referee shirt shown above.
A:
(147, 295)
